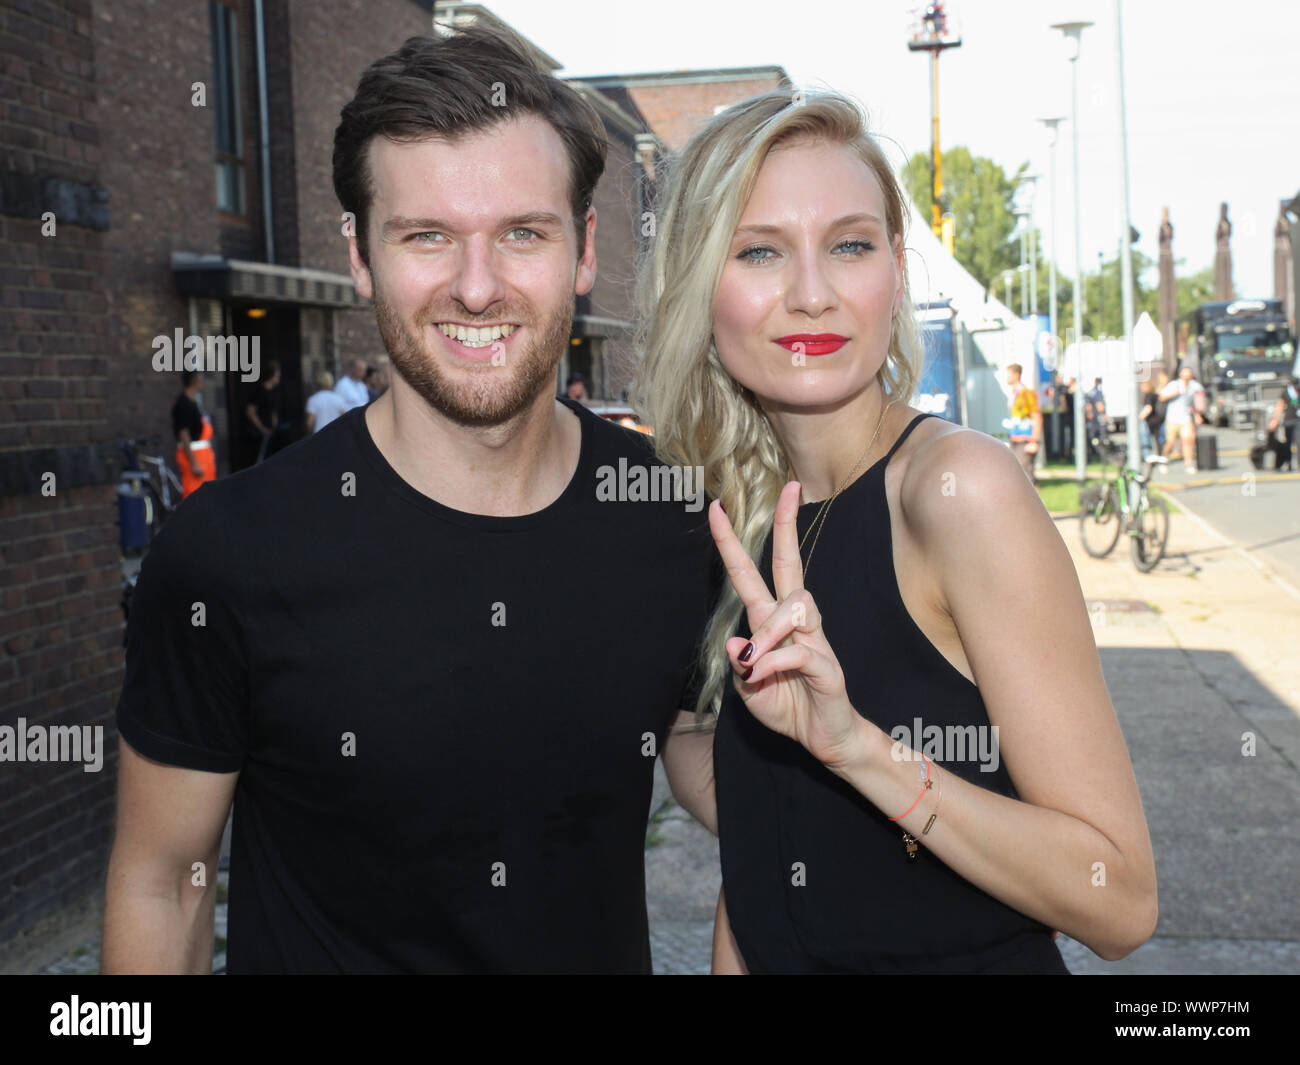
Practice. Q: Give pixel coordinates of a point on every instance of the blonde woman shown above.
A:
(918, 766)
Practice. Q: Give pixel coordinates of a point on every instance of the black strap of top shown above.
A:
(904, 434)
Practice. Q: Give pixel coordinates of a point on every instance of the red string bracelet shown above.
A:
(923, 791)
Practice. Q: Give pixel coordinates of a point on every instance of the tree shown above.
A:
(980, 196)
(978, 193)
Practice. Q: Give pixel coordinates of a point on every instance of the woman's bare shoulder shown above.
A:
(955, 476)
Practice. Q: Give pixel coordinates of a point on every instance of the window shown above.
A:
(225, 107)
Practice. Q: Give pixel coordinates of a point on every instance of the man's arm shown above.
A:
(183, 438)
(156, 919)
(250, 412)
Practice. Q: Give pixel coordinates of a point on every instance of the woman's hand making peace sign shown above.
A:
(791, 680)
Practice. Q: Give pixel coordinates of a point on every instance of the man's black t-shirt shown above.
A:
(1156, 418)
(445, 743)
(186, 415)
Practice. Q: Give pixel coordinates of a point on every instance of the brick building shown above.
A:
(674, 104)
(164, 168)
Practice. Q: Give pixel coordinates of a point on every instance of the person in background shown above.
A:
(351, 387)
(1186, 402)
(195, 455)
(1151, 418)
(373, 382)
(1096, 423)
(1067, 393)
(262, 415)
(1026, 422)
(1287, 414)
(324, 405)
(577, 388)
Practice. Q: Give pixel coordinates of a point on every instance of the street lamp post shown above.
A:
(1052, 124)
(1126, 250)
(1033, 249)
(1073, 33)
(1022, 223)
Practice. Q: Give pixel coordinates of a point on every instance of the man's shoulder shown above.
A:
(618, 457)
(292, 472)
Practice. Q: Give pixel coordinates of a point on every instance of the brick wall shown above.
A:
(327, 59)
(60, 626)
(158, 158)
(674, 110)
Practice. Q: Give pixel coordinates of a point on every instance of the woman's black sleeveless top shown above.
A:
(816, 877)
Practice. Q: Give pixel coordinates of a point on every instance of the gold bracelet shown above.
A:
(933, 816)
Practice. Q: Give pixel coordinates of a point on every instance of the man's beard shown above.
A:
(496, 394)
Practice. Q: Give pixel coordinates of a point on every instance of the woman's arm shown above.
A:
(1074, 851)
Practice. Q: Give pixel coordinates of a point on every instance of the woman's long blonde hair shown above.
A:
(701, 415)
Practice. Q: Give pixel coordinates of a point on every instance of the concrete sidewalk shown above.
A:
(1202, 657)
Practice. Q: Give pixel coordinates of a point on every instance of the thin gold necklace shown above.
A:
(819, 520)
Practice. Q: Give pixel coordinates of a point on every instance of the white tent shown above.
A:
(935, 275)
(988, 333)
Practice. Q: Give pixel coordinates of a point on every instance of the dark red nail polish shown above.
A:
(747, 653)
(723, 506)
(748, 673)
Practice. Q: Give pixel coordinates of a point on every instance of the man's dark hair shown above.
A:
(189, 377)
(444, 87)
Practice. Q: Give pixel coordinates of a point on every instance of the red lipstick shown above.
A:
(813, 343)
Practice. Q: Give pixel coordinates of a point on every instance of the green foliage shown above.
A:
(980, 194)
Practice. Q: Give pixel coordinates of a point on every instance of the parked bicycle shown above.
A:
(1125, 505)
(147, 492)
(147, 478)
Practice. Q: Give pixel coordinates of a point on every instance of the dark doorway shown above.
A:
(279, 338)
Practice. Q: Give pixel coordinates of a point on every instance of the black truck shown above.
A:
(1243, 352)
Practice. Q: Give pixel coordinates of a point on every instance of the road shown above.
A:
(1258, 510)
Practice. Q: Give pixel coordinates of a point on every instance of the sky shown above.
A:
(1212, 92)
